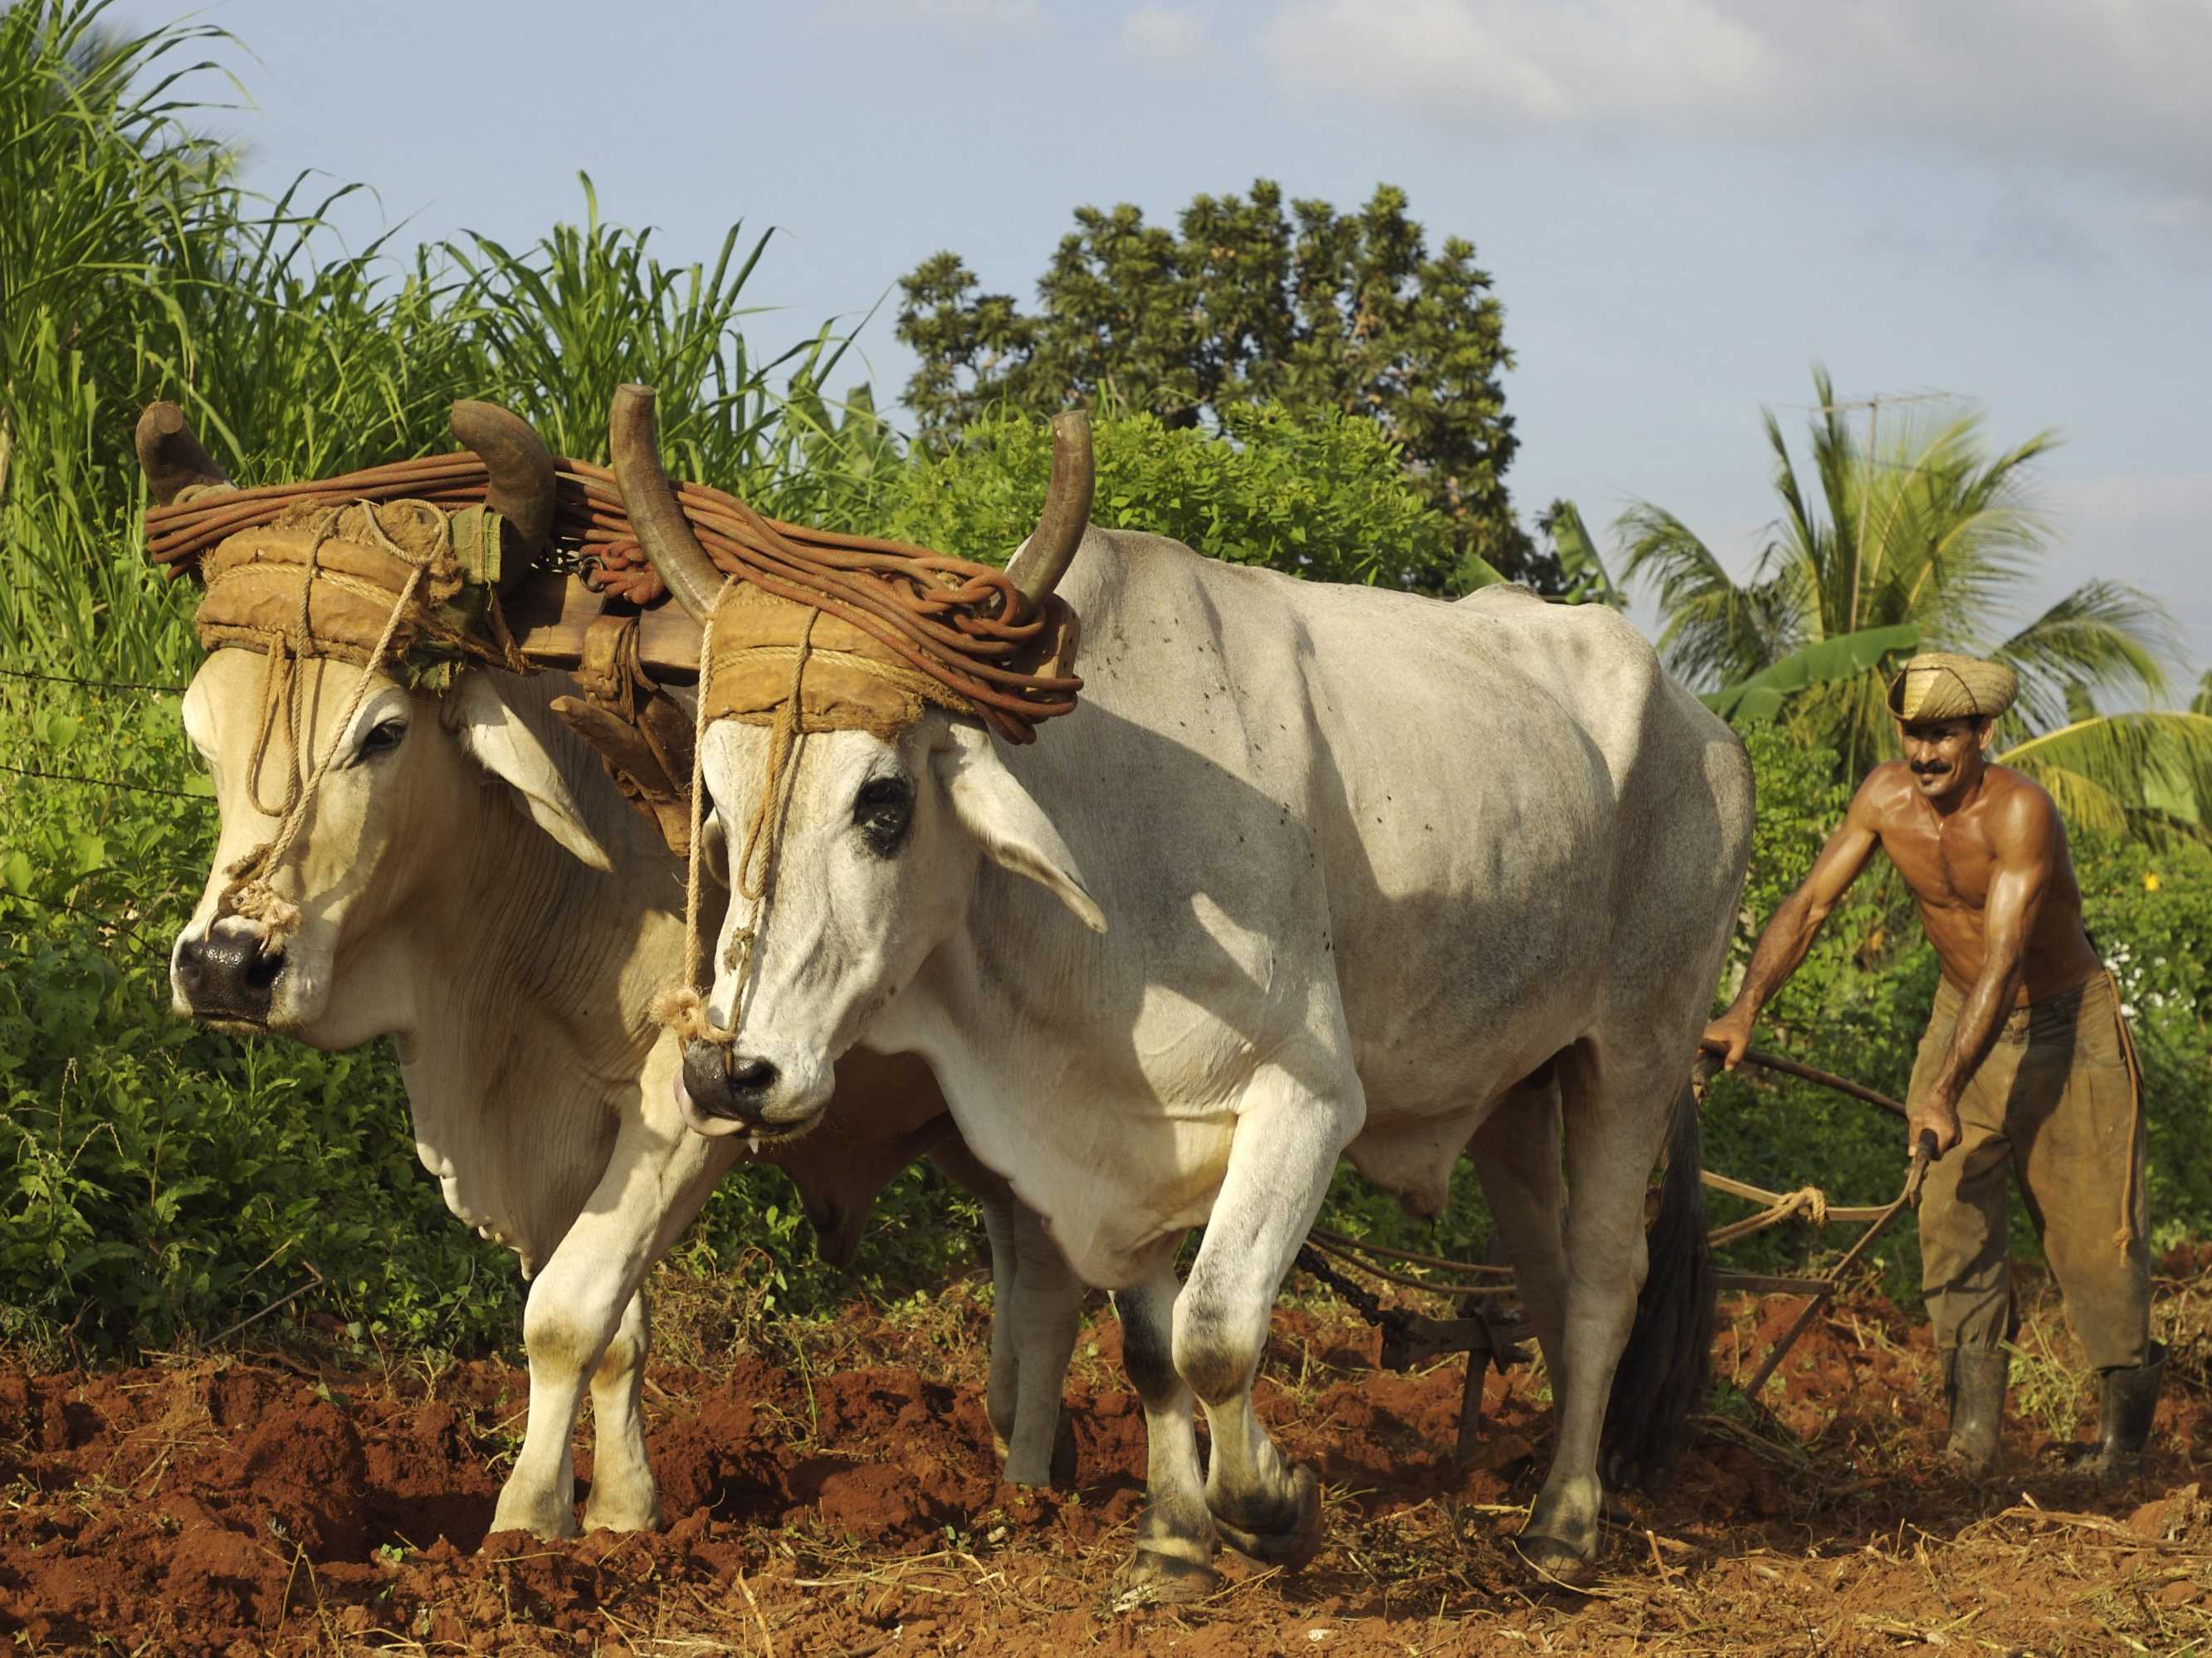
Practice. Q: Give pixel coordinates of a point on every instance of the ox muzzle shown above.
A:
(226, 977)
(728, 1086)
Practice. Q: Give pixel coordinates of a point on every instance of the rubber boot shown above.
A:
(2128, 1400)
(1974, 1386)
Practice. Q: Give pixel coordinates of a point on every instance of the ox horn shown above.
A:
(172, 459)
(521, 467)
(655, 517)
(1051, 546)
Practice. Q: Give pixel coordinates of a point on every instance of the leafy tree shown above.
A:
(1247, 300)
(1932, 532)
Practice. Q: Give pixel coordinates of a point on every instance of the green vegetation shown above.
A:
(160, 1183)
(1321, 496)
(1245, 303)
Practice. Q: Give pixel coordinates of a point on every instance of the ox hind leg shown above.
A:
(586, 1294)
(1614, 1111)
(1175, 1538)
(1036, 1306)
(1285, 1149)
(1516, 1153)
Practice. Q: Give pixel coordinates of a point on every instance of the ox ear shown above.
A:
(498, 739)
(1009, 825)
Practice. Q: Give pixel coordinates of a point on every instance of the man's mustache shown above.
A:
(1929, 767)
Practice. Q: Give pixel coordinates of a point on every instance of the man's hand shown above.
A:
(1728, 1037)
(1935, 1116)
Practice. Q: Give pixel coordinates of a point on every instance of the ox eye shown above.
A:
(382, 738)
(881, 812)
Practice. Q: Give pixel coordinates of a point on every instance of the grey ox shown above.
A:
(514, 970)
(1311, 870)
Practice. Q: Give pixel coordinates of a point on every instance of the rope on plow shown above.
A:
(1810, 1202)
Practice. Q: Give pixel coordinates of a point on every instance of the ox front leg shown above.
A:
(624, 1495)
(585, 1324)
(1045, 1310)
(1175, 1538)
(1614, 1117)
(1002, 1393)
(1037, 1305)
(1285, 1146)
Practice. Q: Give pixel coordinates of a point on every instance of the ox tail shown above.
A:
(1665, 1368)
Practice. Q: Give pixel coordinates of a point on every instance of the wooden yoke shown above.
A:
(550, 614)
(622, 658)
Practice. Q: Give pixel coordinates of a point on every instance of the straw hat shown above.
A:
(1939, 685)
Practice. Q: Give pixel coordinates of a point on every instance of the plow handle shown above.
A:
(1766, 1061)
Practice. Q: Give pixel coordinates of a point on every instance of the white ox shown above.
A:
(515, 971)
(1378, 868)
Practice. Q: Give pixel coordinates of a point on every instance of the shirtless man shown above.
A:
(2026, 1060)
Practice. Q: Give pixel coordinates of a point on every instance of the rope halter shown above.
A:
(401, 587)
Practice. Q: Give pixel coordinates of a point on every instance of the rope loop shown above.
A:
(250, 892)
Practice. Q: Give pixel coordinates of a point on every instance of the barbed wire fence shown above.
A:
(102, 918)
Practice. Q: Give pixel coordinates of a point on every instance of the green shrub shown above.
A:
(2150, 912)
(1321, 497)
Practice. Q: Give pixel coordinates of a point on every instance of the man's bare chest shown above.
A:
(1947, 863)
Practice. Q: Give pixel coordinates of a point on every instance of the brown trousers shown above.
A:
(2057, 1096)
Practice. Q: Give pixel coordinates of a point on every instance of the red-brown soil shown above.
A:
(830, 1490)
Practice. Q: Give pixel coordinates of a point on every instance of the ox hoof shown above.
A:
(1150, 1578)
(622, 1516)
(1292, 1545)
(1559, 1564)
(546, 1522)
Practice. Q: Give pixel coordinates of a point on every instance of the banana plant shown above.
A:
(1825, 662)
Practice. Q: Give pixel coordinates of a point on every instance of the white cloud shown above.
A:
(1170, 35)
(2120, 83)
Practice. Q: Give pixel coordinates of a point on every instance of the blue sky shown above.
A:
(1683, 202)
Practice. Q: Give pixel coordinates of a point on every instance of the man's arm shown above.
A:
(2026, 847)
(1789, 934)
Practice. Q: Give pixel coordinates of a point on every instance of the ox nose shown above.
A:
(227, 974)
(724, 1083)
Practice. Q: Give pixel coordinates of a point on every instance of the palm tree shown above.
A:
(1927, 529)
